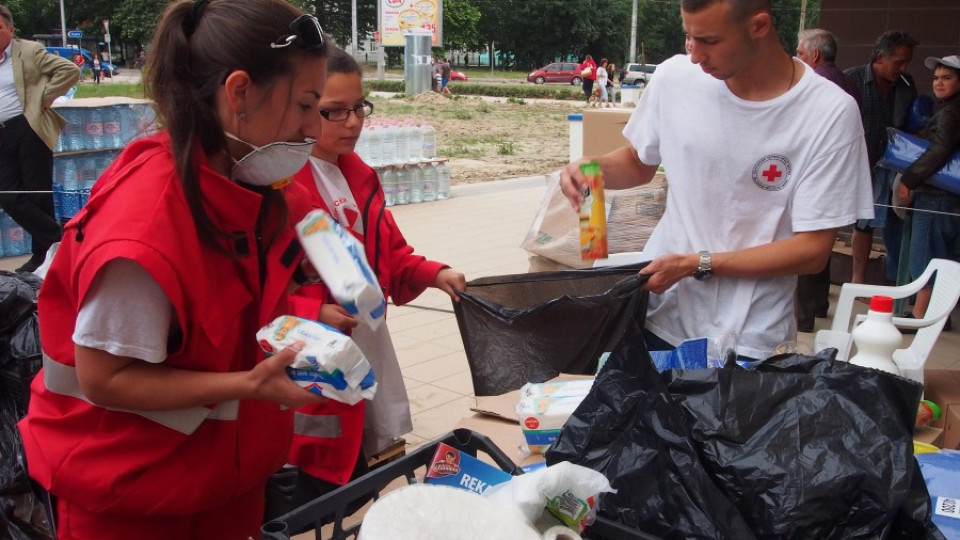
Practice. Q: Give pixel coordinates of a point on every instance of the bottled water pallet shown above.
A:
(14, 241)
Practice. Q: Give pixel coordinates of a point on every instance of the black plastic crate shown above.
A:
(332, 507)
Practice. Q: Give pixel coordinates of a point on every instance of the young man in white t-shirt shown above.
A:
(765, 161)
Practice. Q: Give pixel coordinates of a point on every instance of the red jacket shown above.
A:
(402, 276)
(593, 71)
(131, 462)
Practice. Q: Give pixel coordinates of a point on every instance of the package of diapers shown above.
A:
(330, 363)
(339, 258)
(545, 407)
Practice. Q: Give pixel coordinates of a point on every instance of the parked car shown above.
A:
(557, 72)
(638, 74)
(454, 74)
(68, 52)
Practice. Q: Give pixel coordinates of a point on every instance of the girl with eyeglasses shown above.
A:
(342, 184)
(157, 415)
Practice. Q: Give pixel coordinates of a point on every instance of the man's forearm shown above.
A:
(623, 169)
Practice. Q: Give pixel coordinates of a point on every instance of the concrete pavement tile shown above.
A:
(428, 396)
(414, 318)
(436, 369)
(416, 352)
(461, 383)
(410, 384)
(432, 423)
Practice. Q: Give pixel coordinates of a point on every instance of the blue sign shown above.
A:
(75, 34)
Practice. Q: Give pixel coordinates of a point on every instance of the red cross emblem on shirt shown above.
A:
(773, 173)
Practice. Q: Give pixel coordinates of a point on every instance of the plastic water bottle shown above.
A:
(431, 181)
(388, 178)
(415, 173)
(92, 129)
(112, 131)
(58, 188)
(402, 134)
(71, 188)
(877, 337)
(14, 237)
(3, 228)
(129, 122)
(361, 147)
(72, 136)
(443, 184)
(403, 186)
(429, 141)
(88, 176)
(387, 145)
(414, 144)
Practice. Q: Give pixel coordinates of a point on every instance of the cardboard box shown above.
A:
(942, 386)
(602, 130)
(929, 435)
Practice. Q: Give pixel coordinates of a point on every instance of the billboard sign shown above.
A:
(398, 17)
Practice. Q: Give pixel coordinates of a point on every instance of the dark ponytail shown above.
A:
(197, 44)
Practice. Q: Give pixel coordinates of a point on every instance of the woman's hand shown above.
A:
(337, 317)
(903, 192)
(269, 381)
(450, 281)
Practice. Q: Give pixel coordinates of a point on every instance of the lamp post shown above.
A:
(63, 24)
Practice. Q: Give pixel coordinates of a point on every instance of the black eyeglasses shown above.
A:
(340, 115)
(306, 34)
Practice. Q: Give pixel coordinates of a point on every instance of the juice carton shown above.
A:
(593, 216)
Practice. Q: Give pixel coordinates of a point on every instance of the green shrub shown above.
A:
(520, 91)
(506, 148)
(484, 107)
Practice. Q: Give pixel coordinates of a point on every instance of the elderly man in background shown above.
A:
(886, 92)
(818, 49)
(30, 79)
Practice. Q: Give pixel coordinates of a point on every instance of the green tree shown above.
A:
(138, 20)
(461, 24)
(336, 19)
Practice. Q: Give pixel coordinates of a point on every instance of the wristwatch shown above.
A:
(705, 270)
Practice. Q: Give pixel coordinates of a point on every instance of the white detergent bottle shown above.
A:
(877, 337)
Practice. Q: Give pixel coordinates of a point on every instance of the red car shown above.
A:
(454, 74)
(557, 72)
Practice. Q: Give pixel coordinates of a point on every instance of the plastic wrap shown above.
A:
(902, 150)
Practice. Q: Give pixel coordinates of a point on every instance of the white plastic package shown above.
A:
(565, 490)
(557, 389)
(544, 408)
(330, 363)
(339, 258)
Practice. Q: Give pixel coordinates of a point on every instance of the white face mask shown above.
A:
(270, 164)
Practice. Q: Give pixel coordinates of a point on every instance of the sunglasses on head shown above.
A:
(305, 33)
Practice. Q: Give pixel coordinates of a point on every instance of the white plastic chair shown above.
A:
(946, 292)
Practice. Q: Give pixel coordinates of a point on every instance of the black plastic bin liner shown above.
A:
(632, 431)
(805, 447)
(531, 327)
(800, 448)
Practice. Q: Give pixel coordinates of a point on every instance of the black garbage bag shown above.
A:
(18, 299)
(20, 360)
(799, 448)
(630, 429)
(531, 327)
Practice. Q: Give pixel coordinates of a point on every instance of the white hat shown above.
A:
(950, 61)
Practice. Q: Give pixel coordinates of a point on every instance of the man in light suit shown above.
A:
(30, 79)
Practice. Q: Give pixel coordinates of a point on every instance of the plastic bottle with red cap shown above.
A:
(877, 338)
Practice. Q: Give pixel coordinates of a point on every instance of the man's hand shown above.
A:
(450, 281)
(668, 269)
(903, 192)
(270, 382)
(572, 183)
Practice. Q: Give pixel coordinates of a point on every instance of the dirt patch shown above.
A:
(487, 140)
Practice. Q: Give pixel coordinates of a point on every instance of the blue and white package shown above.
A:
(339, 258)
(691, 354)
(902, 150)
(330, 364)
(941, 471)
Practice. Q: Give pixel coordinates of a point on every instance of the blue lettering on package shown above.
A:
(335, 379)
(453, 468)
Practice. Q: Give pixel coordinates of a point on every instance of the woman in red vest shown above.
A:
(327, 441)
(156, 415)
